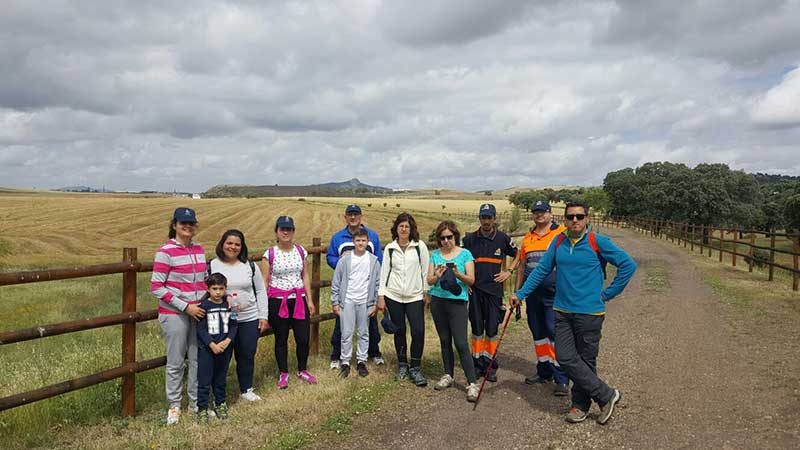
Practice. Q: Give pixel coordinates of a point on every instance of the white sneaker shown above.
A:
(173, 415)
(472, 392)
(250, 396)
(378, 360)
(445, 382)
(334, 364)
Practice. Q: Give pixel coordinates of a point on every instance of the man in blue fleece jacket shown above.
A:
(580, 255)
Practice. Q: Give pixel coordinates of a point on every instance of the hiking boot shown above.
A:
(173, 415)
(250, 396)
(222, 411)
(492, 376)
(362, 369)
(344, 370)
(334, 364)
(445, 382)
(402, 372)
(306, 376)
(378, 360)
(576, 415)
(283, 381)
(415, 374)
(536, 379)
(202, 417)
(608, 409)
(561, 390)
(472, 392)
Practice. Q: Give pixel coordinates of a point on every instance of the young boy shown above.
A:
(354, 296)
(215, 332)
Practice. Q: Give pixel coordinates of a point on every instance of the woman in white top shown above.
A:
(404, 293)
(285, 270)
(246, 288)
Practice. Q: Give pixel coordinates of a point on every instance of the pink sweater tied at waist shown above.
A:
(299, 305)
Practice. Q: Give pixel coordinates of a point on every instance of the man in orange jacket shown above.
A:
(541, 318)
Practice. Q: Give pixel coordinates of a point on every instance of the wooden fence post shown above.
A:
(685, 234)
(735, 247)
(129, 334)
(691, 242)
(702, 235)
(752, 251)
(795, 257)
(771, 256)
(316, 267)
(721, 239)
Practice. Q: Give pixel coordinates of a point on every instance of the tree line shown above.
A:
(708, 194)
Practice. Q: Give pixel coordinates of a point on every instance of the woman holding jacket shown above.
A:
(403, 292)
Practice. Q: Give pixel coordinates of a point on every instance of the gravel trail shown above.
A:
(690, 379)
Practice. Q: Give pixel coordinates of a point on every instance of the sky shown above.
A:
(459, 94)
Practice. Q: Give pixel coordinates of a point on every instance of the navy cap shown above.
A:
(284, 222)
(185, 215)
(487, 209)
(541, 205)
(352, 209)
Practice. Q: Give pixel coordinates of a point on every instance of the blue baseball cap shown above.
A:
(487, 209)
(352, 209)
(185, 215)
(284, 222)
(541, 205)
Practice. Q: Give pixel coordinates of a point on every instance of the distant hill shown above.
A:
(347, 188)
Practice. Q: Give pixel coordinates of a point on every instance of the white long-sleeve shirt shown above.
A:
(253, 305)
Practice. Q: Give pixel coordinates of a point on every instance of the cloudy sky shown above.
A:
(464, 94)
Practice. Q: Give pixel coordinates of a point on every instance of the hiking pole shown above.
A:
(491, 362)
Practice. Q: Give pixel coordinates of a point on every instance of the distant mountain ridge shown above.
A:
(335, 189)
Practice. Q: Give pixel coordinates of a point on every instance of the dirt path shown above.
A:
(689, 379)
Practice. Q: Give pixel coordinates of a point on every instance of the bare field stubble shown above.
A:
(46, 231)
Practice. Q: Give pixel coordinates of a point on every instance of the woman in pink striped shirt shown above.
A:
(179, 283)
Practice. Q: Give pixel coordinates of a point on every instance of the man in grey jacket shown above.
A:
(354, 296)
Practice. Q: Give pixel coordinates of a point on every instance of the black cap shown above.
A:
(284, 222)
(352, 209)
(185, 215)
(541, 205)
(487, 209)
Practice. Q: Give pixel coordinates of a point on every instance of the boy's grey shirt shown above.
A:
(342, 276)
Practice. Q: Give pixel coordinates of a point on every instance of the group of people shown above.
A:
(228, 303)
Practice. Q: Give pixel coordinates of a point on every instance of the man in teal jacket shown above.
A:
(580, 255)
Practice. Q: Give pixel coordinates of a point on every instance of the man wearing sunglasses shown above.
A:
(490, 248)
(580, 306)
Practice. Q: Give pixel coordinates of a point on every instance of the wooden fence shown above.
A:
(732, 240)
(128, 318)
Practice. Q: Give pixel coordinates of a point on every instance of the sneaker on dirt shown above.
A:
(419, 380)
(472, 392)
(222, 411)
(402, 372)
(561, 390)
(445, 382)
(202, 417)
(576, 415)
(608, 409)
(536, 379)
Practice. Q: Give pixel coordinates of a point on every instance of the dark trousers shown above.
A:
(577, 345)
(542, 322)
(450, 317)
(301, 329)
(374, 339)
(244, 350)
(415, 313)
(212, 371)
(486, 313)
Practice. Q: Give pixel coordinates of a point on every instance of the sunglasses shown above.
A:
(574, 216)
(448, 237)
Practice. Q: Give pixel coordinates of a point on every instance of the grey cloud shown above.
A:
(423, 23)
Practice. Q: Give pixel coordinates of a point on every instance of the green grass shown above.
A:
(289, 440)
(656, 276)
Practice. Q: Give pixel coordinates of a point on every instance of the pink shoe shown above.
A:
(283, 381)
(307, 377)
